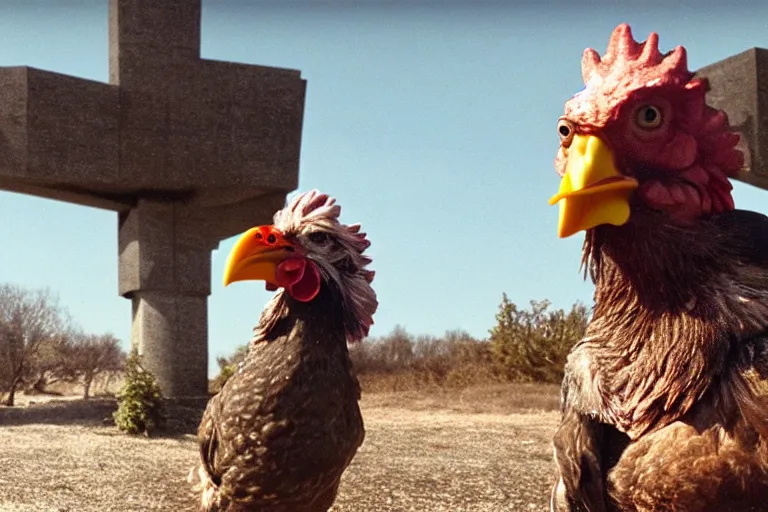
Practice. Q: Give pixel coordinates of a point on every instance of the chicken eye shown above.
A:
(649, 117)
(565, 131)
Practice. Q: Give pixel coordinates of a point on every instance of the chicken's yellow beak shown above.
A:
(256, 254)
(592, 192)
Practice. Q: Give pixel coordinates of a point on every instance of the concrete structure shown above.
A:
(739, 85)
(188, 151)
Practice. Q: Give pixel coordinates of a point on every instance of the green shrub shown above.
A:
(222, 378)
(227, 368)
(139, 408)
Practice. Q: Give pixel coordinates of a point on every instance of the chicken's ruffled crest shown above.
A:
(314, 211)
(318, 209)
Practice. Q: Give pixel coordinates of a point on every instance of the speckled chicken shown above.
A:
(664, 401)
(287, 424)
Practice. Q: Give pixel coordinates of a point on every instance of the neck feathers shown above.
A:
(673, 308)
(333, 313)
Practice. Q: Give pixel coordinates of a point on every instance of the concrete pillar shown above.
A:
(166, 271)
(170, 331)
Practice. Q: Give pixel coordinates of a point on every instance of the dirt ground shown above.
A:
(443, 451)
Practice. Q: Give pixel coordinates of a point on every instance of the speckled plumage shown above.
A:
(286, 425)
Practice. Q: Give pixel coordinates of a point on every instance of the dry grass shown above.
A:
(472, 450)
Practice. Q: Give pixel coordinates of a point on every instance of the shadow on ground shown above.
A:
(181, 416)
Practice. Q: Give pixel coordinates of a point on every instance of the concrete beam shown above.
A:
(739, 86)
(56, 128)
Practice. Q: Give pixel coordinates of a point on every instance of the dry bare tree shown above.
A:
(89, 355)
(50, 363)
(28, 318)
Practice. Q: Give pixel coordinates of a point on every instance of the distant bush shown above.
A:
(531, 345)
(139, 400)
(525, 345)
(225, 372)
(227, 368)
(400, 361)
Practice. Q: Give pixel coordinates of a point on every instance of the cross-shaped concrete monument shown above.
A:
(739, 85)
(188, 151)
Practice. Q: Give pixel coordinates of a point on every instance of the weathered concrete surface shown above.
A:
(188, 151)
(739, 85)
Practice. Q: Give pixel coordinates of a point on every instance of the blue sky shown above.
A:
(432, 123)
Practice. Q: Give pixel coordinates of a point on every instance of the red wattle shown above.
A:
(290, 271)
(300, 278)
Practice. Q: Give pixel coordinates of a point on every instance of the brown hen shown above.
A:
(286, 425)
